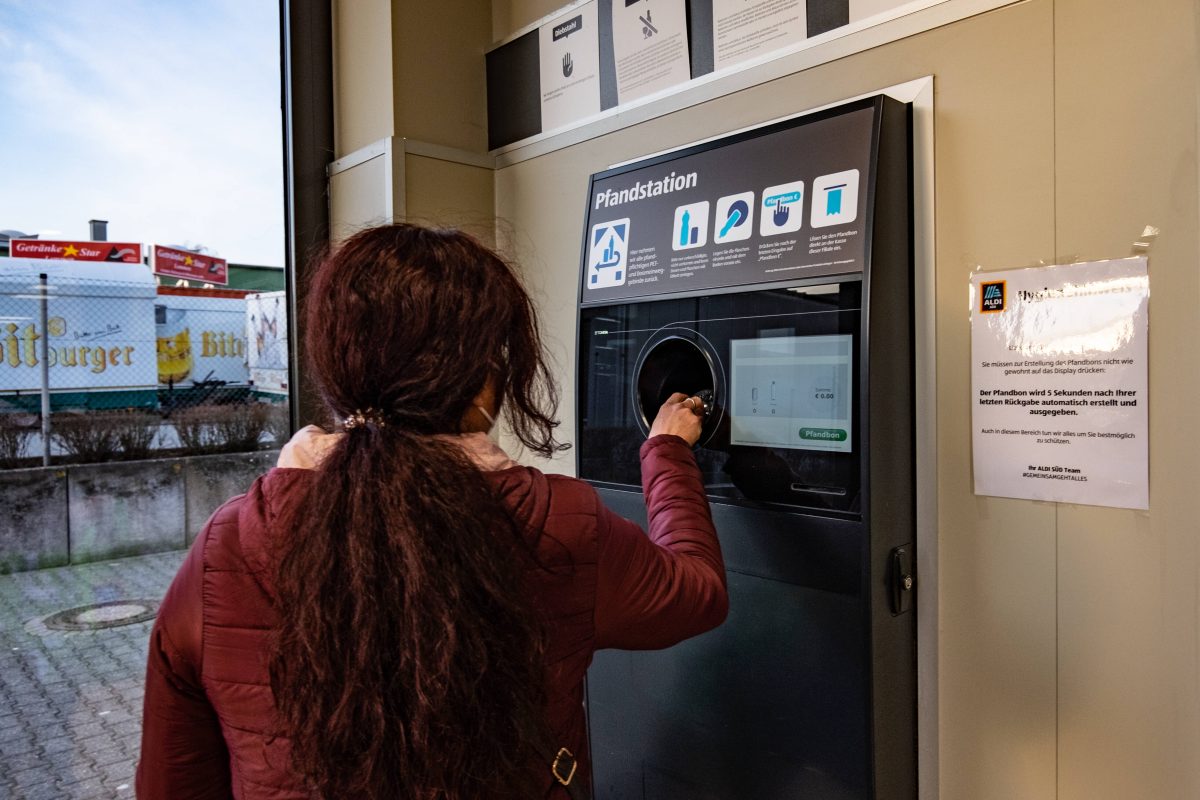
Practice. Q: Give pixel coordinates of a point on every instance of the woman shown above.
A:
(399, 610)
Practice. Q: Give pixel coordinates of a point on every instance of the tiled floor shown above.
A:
(71, 702)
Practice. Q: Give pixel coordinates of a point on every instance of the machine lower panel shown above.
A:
(773, 704)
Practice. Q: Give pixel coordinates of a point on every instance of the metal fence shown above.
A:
(98, 363)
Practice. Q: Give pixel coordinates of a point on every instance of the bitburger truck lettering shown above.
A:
(19, 348)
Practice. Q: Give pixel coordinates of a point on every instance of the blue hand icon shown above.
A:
(780, 217)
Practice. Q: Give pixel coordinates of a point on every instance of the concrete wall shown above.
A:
(71, 515)
(33, 527)
(1067, 654)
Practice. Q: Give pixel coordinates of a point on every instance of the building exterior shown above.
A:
(1058, 645)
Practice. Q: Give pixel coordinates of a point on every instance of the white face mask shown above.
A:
(487, 416)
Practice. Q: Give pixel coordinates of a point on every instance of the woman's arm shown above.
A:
(654, 591)
(183, 750)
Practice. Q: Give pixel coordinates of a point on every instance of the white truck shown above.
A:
(99, 338)
(116, 339)
(267, 343)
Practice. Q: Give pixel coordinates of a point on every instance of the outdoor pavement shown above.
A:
(71, 702)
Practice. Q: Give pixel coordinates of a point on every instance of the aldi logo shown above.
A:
(993, 295)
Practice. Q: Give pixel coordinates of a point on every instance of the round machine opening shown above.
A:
(673, 364)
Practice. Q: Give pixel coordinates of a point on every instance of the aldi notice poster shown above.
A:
(650, 46)
(1059, 383)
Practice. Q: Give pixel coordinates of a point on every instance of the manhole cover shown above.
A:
(102, 615)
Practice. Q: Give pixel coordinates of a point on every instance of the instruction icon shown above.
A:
(734, 219)
(835, 199)
(609, 254)
(782, 209)
(691, 226)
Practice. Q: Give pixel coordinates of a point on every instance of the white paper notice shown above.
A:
(1059, 383)
(650, 46)
(569, 50)
(743, 29)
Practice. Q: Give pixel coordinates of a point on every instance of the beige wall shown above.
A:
(441, 90)
(510, 16)
(448, 194)
(362, 73)
(1069, 637)
(409, 75)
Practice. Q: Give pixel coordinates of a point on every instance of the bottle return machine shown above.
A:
(770, 273)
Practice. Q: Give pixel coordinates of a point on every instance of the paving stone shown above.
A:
(112, 756)
(26, 774)
(12, 732)
(15, 748)
(59, 745)
(93, 787)
(45, 791)
(54, 740)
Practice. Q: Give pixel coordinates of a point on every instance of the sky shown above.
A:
(160, 116)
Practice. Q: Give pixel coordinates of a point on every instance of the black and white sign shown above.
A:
(650, 46)
(569, 54)
(778, 204)
(1060, 383)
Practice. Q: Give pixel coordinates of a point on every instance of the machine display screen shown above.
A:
(792, 392)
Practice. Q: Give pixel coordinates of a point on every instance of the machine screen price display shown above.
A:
(1059, 383)
(792, 391)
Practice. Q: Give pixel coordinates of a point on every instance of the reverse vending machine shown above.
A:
(770, 273)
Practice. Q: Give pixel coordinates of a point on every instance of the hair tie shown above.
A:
(371, 416)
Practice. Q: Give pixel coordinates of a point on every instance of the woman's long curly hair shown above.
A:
(407, 662)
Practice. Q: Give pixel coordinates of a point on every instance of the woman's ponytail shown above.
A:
(407, 661)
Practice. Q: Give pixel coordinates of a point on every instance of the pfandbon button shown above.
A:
(823, 434)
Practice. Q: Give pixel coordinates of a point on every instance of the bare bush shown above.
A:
(86, 437)
(279, 423)
(242, 426)
(135, 432)
(15, 433)
(92, 436)
(233, 428)
(195, 429)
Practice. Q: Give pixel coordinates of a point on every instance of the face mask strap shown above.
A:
(491, 420)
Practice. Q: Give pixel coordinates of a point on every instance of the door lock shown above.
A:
(902, 579)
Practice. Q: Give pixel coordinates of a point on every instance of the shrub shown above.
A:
(233, 428)
(15, 433)
(86, 437)
(279, 423)
(241, 427)
(135, 432)
(105, 435)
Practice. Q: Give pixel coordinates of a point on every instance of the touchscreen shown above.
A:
(792, 391)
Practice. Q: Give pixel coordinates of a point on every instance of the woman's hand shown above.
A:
(681, 416)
